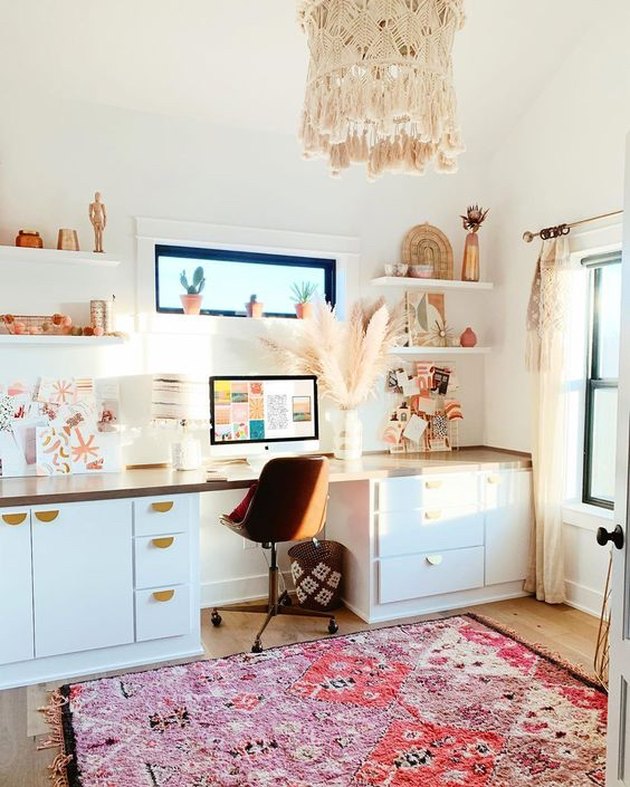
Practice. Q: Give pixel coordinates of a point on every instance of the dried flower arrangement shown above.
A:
(474, 218)
(346, 357)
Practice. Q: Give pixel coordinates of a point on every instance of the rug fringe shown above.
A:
(53, 713)
(540, 649)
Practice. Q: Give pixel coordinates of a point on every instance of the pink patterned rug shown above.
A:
(449, 702)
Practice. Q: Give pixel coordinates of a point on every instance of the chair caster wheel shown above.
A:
(286, 600)
(333, 628)
(257, 647)
(215, 619)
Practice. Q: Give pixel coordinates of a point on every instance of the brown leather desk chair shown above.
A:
(289, 504)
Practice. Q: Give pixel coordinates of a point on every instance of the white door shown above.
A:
(618, 767)
(16, 586)
(83, 576)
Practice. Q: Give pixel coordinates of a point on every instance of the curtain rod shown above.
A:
(563, 229)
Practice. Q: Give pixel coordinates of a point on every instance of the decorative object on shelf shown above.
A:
(472, 221)
(36, 324)
(183, 401)
(98, 218)
(380, 88)
(423, 271)
(468, 338)
(68, 240)
(425, 244)
(426, 321)
(254, 307)
(29, 238)
(102, 316)
(302, 294)
(346, 357)
(191, 300)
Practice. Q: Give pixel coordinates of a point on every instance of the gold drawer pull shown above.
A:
(163, 595)
(432, 515)
(494, 479)
(162, 507)
(14, 519)
(432, 484)
(163, 543)
(47, 516)
(434, 560)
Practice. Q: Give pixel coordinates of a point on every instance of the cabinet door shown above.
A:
(83, 576)
(509, 518)
(16, 586)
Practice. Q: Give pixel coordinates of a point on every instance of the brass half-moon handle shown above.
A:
(431, 515)
(494, 479)
(432, 484)
(163, 506)
(434, 560)
(47, 516)
(14, 519)
(163, 543)
(163, 595)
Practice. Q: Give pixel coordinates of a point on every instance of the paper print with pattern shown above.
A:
(57, 391)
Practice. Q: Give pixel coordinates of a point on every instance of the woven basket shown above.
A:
(316, 568)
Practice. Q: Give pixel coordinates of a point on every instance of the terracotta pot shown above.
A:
(468, 338)
(304, 310)
(254, 309)
(191, 303)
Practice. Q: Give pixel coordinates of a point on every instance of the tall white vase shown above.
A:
(348, 437)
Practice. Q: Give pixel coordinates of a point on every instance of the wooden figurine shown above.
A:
(98, 218)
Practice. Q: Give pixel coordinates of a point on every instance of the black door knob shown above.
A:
(616, 536)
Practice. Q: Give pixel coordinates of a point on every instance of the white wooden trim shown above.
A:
(410, 283)
(583, 598)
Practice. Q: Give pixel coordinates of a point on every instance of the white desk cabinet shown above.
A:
(16, 587)
(97, 585)
(430, 542)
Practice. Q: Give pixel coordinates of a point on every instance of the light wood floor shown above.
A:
(565, 630)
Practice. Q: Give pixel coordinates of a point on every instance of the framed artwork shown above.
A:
(425, 317)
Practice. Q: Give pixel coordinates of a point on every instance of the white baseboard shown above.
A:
(584, 598)
(239, 590)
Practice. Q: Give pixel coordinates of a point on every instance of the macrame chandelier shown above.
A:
(380, 84)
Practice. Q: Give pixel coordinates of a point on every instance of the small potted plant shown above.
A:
(191, 300)
(302, 294)
(253, 307)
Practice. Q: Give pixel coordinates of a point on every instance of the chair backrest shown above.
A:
(290, 500)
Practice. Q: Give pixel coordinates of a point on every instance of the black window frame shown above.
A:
(327, 264)
(593, 381)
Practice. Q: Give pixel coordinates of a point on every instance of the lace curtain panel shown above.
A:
(547, 362)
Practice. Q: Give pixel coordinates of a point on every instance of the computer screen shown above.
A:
(253, 411)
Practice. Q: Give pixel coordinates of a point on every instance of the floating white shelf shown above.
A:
(438, 352)
(410, 283)
(24, 254)
(59, 341)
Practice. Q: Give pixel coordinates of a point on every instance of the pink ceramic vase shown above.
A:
(468, 338)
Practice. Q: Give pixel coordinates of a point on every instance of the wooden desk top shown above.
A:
(37, 490)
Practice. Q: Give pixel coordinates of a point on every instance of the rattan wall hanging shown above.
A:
(425, 244)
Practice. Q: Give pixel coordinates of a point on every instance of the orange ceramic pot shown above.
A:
(191, 303)
(304, 310)
(468, 338)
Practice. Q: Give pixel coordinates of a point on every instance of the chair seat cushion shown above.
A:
(238, 515)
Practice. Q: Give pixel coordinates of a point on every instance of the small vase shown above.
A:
(254, 308)
(468, 338)
(304, 310)
(191, 304)
(470, 263)
(348, 438)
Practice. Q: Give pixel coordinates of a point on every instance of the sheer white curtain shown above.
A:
(547, 362)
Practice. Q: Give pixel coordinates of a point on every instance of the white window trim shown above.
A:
(151, 232)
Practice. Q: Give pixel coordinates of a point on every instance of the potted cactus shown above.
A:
(302, 294)
(191, 300)
(253, 307)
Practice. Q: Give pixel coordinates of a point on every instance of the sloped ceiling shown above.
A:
(243, 62)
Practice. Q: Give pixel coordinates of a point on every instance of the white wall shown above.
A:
(564, 161)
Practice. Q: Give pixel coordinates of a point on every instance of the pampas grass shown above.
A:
(346, 357)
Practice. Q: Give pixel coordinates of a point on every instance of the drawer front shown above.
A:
(430, 574)
(429, 529)
(154, 516)
(428, 491)
(162, 560)
(162, 612)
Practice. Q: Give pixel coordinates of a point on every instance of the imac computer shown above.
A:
(255, 417)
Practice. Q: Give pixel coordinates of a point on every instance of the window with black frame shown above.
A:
(600, 429)
(232, 278)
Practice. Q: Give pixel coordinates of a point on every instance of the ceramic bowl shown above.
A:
(400, 269)
(421, 271)
(389, 267)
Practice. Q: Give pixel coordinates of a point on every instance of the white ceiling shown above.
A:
(242, 62)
